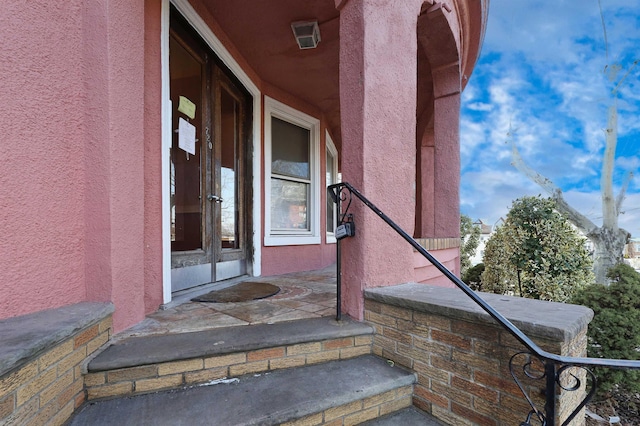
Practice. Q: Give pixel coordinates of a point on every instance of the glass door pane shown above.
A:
(185, 174)
(229, 134)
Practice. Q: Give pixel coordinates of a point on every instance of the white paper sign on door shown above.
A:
(186, 136)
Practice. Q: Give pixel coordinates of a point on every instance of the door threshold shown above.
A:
(182, 296)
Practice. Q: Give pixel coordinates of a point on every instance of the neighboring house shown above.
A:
(632, 252)
(485, 233)
(632, 249)
(152, 146)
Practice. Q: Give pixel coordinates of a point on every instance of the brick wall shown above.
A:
(462, 358)
(46, 387)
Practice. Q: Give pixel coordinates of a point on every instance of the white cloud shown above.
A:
(628, 163)
(480, 106)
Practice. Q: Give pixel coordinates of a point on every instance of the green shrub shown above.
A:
(473, 276)
(615, 329)
(536, 253)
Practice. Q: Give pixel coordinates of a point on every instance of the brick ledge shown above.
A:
(26, 336)
(534, 317)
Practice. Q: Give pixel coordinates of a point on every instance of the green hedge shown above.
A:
(615, 329)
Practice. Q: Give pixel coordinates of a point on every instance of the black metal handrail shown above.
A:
(554, 365)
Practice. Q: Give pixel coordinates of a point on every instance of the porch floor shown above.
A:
(310, 294)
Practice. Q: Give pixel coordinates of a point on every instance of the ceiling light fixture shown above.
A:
(307, 34)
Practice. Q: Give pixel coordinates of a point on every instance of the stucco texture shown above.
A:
(75, 120)
(42, 153)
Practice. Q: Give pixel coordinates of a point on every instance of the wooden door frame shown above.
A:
(254, 230)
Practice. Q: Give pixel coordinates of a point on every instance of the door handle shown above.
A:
(214, 198)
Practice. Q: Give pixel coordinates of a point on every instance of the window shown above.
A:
(292, 176)
(331, 178)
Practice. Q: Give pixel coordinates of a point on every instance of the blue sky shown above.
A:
(541, 73)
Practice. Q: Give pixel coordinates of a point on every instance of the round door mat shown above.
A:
(242, 292)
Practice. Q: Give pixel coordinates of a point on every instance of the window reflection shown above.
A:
(290, 181)
(228, 173)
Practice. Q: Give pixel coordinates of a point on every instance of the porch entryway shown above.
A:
(310, 294)
(209, 178)
(196, 363)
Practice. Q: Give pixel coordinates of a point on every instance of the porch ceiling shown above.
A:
(261, 31)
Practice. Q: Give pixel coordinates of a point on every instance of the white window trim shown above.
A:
(273, 108)
(331, 149)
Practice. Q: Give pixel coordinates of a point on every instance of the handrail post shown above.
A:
(337, 199)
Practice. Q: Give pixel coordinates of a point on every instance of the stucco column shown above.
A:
(425, 220)
(446, 152)
(126, 82)
(378, 110)
(115, 158)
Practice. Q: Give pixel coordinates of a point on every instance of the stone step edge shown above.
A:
(341, 392)
(154, 377)
(152, 349)
(360, 411)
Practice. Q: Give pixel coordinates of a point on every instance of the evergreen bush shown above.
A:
(473, 277)
(615, 329)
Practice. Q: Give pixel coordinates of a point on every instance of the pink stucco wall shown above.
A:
(42, 187)
(152, 158)
(426, 273)
(114, 37)
(285, 259)
(72, 186)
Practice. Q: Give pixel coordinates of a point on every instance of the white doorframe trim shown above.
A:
(166, 148)
(214, 43)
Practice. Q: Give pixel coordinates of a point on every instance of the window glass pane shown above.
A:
(289, 149)
(289, 201)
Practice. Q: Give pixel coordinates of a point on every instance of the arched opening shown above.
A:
(437, 134)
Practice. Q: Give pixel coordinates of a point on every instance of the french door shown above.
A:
(208, 190)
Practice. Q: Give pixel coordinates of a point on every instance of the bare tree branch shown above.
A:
(615, 89)
(604, 31)
(574, 216)
(609, 213)
(623, 191)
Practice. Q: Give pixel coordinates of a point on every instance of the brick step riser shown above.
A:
(190, 372)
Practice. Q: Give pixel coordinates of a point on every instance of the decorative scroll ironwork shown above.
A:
(574, 384)
(554, 365)
(578, 383)
(530, 373)
(339, 194)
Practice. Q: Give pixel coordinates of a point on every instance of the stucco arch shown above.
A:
(437, 115)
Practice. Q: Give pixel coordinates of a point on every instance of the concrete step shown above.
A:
(406, 417)
(146, 364)
(347, 392)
